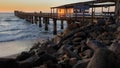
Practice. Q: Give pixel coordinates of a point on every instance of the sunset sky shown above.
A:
(32, 5)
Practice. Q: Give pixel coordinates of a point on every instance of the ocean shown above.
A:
(17, 35)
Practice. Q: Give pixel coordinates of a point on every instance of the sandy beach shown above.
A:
(12, 49)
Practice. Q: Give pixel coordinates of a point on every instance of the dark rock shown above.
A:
(80, 34)
(101, 22)
(23, 56)
(76, 43)
(77, 40)
(102, 58)
(81, 63)
(70, 53)
(45, 58)
(29, 63)
(86, 54)
(94, 44)
(8, 63)
(35, 46)
(73, 26)
(115, 47)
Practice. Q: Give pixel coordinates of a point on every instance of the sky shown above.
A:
(32, 5)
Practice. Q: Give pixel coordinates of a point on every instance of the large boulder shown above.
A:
(115, 47)
(102, 58)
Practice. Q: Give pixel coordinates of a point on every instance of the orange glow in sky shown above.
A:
(32, 5)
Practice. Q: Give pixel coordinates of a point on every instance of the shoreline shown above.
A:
(27, 44)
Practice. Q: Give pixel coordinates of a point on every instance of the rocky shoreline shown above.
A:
(83, 45)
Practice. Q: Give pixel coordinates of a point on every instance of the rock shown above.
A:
(29, 62)
(81, 63)
(43, 66)
(118, 29)
(73, 26)
(23, 56)
(65, 32)
(94, 44)
(72, 61)
(70, 53)
(86, 54)
(115, 47)
(77, 40)
(70, 34)
(77, 34)
(45, 58)
(101, 22)
(80, 34)
(102, 58)
(8, 63)
(56, 39)
(35, 46)
(76, 43)
(93, 35)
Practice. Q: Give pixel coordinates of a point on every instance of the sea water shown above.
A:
(17, 35)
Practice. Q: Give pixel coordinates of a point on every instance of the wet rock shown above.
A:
(102, 58)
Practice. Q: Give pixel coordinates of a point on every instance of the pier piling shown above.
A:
(62, 27)
(46, 23)
(40, 24)
(54, 26)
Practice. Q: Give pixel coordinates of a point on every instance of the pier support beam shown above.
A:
(32, 19)
(40, 24)
(54, 26)
(46, 23)
(36, 18)
(62, 25)
(92, 12)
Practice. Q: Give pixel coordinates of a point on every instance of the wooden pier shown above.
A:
(64, 13)
(36, 18)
